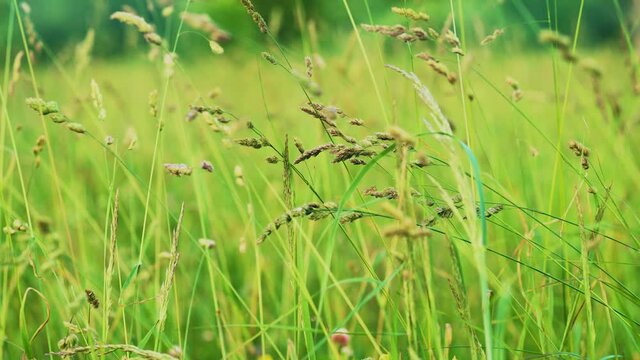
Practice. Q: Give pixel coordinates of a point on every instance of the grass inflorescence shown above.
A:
(311, 198)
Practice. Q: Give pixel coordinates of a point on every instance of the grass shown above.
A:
(521, 252)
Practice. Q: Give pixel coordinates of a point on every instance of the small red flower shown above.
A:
(341, 337)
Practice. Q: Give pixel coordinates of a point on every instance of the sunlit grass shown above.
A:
(527, 252)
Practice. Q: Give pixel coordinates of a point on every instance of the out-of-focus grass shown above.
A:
(394, 295)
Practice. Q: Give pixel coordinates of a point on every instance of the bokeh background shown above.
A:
(63, 23)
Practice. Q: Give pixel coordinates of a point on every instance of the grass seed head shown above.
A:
(204, 23)
(312, 211)
(407, 38)
(493, 210)
(356, 122)
(451, 38)
(153, 38)
(410, 14)
(215, 47)
(313, 152)
(176, 352)
(298, 145)
(420, 33)
(351, 217)
(457, 50)
(309, 66)
(76, 127)
(239, 175)
(168, 11)
(206, 165)
(16, 226)
(492, 37)
(153, 103)
(178, 169)
(255, 143)
(42, 106)
(131, 138)
(393, 31)
(401, 136)
(584, 162)
(98, 102)
(57, 118)
(421, 160)
(257, 18)
(207, 243)
(134, 20)
(345, 153)
(592, 67)
(433, 33)
(554, 38)
(270, 58)
(68, 342)
(316, 112)
(15, 71)
(92, 299)
(438, 67)
(579, 149)
(388, 193)
(39, 146)
(308, 84)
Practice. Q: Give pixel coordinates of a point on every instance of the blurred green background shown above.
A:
(62, 23)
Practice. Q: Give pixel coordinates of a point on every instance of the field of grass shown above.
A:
(175, 208)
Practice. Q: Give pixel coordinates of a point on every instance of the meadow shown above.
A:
(428, 191)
